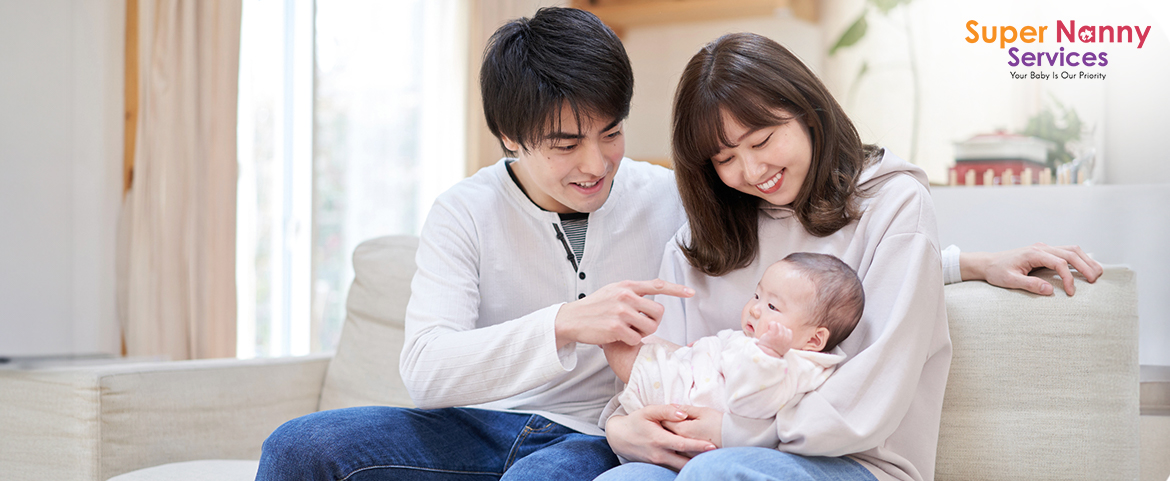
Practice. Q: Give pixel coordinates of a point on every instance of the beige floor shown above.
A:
(1155, 423)
(1155, 448)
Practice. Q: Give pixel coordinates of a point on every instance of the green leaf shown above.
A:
(861, 72)
(885, 6)
(1059, 125)
(852, 35)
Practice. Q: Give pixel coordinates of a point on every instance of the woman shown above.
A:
(767, 164)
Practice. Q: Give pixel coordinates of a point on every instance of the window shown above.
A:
(352, 120)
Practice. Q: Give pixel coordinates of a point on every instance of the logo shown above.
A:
(1097, 56)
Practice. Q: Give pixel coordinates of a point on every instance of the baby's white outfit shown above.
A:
(728, 372)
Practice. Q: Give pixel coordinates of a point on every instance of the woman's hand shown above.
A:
(701, 423)
(640, 436)
(1010, 269)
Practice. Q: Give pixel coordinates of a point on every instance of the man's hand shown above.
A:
(775, 339)
(1010, 269)
(641, 437)
(615, 313)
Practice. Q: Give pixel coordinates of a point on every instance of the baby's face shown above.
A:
(784, 296)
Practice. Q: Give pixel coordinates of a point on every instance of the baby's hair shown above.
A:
(840, 299)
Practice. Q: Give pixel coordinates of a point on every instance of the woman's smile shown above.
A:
(783, 149)
(773, 184)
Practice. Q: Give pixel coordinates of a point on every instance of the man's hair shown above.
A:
(840, 299)
(561, 57)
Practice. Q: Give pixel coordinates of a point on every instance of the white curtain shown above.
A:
(177, 276)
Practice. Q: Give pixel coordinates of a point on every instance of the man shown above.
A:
(524, 269)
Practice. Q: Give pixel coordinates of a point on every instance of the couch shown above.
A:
(1039, 388)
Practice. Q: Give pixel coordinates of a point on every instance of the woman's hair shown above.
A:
(561, 57)
(759, 83)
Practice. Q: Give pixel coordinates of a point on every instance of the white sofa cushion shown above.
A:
(1042, 387)
(205, 470)
(94, 422)
(365, 370)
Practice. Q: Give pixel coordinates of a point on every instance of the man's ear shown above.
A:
(818, 340)
(510, 144)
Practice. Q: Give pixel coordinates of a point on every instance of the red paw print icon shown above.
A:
(1086, 36)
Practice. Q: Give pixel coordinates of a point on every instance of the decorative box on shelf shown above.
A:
(1000, 159)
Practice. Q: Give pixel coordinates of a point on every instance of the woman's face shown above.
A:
(770, 163)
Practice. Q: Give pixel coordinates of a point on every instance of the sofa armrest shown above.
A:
(91, 423)
(1042, 387)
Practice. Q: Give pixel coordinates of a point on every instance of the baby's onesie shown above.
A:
(728, 372)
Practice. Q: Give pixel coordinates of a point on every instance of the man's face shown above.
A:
(572, 169)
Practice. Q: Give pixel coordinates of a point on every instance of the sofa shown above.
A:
(1039, 388)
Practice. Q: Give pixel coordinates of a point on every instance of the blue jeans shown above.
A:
(371, 443)
(747, 464)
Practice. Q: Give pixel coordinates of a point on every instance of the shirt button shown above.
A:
(581, 275)
(570, 257)
(581, 296)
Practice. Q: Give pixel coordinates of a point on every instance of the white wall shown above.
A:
(1116, 224)
(1138, 105)
(60, 175)
(658, 54)
(966, 89)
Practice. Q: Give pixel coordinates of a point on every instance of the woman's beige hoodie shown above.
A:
(883, 404)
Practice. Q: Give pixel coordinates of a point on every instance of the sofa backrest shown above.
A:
(1039, 387)
(365, 369)
(1042, 387)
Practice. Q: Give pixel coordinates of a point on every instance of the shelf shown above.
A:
(623, 14)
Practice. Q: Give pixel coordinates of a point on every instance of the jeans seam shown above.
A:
(544, 428)
(516, 447)
(524, 433)
(419, 468)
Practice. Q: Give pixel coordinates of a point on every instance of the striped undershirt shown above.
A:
(574, 224)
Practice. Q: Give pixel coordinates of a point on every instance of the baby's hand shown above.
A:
(776, 339)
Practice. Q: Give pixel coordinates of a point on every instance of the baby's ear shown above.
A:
(818, 340)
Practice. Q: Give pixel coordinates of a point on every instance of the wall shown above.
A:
(60, 175)
(1138, 105)
(658, 54)
(482, 147)
(1113, 223)
(967, 90)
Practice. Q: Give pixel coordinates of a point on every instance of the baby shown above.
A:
(803, 307)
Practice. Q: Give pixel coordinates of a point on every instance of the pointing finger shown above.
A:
(659, 286)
